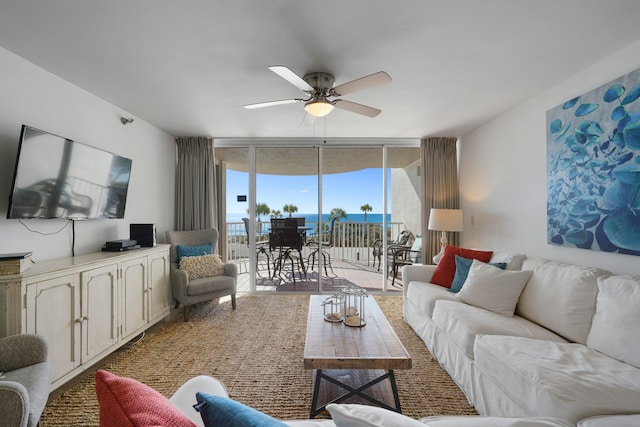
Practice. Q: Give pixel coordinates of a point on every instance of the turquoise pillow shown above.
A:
(184, 250)
(222, 411)
(462, 271)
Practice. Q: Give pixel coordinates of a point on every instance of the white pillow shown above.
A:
(614, 329)
(352, 415)
(493, 289)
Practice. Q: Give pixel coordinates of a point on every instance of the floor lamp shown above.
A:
(444, 220)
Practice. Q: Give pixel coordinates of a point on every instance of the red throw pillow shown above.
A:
(127, 402)
(446, 269)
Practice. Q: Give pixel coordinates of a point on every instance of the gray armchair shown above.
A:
(25, 379)
(188, 292)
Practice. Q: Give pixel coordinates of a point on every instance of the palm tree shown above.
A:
(262, 209)
(275, 213)
(337, 213)
(366, 208)
(290, 209)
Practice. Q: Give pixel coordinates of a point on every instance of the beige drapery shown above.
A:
(196, 198)
(439, 162)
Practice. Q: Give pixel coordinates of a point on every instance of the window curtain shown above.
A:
(439, 162)
(196, 193)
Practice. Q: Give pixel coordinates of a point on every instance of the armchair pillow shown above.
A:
(202, 266)
(186, 250)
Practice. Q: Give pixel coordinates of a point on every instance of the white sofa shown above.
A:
(571, 350)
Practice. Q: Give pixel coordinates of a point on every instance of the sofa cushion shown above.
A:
(480, 421)
(566, 380)
(207, 285)
(493, 289)
(614, 330)
(462, 323)
(201, 266)
(351, 415)
(222, 411)
(127, 402)
(560, 297)
(446, 269)
(424, 296)
(463, 265)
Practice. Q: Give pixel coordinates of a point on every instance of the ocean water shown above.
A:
(358, 217)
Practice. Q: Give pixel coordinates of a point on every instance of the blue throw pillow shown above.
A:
(222, 411)
(462, 271)
(184, 250)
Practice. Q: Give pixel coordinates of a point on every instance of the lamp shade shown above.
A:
(445, 220)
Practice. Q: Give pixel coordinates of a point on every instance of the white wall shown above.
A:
(503, 174)
(33, 96)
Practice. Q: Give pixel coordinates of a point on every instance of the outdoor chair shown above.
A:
(262, 246)
(287, 239)
(400, 252)
(320, 246)
(188, 292)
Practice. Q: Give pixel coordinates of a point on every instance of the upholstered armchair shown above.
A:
(188, 291)
(25, 379)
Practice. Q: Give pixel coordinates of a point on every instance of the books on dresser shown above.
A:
(14, 263)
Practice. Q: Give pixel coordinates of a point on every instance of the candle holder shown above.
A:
(353, 305)
(333, 307)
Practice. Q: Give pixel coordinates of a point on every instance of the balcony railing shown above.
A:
(353, 241)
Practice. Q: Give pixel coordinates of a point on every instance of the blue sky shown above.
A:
(348, 191)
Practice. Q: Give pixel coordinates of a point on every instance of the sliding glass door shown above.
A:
(349, 204)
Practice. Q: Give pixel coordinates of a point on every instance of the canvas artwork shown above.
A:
(593, 169)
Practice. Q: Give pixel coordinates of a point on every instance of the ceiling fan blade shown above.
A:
(291, 77)
(356, 108)
(372, 80)
(272, 103)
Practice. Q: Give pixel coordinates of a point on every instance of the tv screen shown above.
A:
(56, 177)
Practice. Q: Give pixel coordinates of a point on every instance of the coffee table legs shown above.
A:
(354, 392)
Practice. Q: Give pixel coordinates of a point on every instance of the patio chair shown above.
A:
(262, 246)
(188, 292)
(320, 246)
(400, 252)
(287, 239)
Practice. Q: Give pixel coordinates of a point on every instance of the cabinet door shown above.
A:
(99, 310)
(53, 310)
(159, 286)
(133, 290)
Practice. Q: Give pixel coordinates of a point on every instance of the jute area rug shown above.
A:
(256, 351)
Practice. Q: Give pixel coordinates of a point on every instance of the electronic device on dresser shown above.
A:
(144, 234)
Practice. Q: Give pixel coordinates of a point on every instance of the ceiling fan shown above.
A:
(319, 88)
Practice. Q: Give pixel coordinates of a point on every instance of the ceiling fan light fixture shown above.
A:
(318, 107)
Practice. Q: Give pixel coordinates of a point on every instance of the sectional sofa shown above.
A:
(539, 338)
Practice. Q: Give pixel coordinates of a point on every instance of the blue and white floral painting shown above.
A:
(593, 169)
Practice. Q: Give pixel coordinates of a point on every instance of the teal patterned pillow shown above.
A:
(462, 271)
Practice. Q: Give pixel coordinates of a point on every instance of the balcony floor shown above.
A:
(344, 273)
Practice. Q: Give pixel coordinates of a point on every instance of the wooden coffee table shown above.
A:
(335, 346)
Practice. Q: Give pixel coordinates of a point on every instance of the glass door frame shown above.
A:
(320, 143)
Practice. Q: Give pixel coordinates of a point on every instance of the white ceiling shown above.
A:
(188, 66)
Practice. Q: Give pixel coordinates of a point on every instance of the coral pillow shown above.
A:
(127, 402)
(446, 269)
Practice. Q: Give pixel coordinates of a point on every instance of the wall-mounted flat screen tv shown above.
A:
(56, 177)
